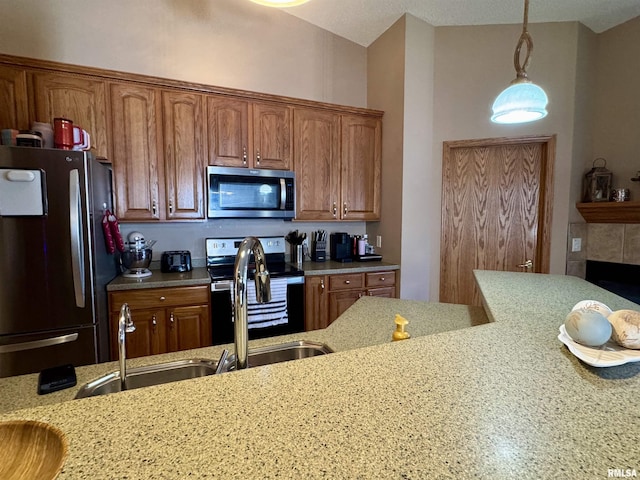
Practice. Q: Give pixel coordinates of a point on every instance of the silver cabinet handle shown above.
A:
(172, 319)
(244, 154)
(154, 207)
(77, 238)
(258, 157)
(171, 207)
(322, 285)
(345, 209)
(154, 322)
(382, 279)
(335, 209)
(347, 282)
(45, 342)
(162, 299)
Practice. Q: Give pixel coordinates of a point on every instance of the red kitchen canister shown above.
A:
(63, 133)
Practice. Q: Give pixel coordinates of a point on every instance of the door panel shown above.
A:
(189, 327)
(13, 98)
(228, 122)
(495, 211)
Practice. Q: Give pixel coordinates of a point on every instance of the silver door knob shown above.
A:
(528, 264)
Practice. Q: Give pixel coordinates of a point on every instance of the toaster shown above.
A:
(175, 261)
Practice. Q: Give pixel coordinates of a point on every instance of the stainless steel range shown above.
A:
(283, 315)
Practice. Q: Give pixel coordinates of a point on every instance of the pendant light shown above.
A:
(522, 101)
(280, 3)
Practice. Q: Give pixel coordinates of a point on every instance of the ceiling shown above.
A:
(362, 21)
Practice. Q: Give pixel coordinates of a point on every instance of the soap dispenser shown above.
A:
(399, 333)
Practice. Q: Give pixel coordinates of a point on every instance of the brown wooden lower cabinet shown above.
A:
(329, 296)
(166, 320)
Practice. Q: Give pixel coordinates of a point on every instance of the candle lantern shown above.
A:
(597, 182)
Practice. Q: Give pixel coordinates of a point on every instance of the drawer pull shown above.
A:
(347, 282)
(163, 298)
(382, 279)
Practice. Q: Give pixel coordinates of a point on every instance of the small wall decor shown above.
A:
(597, 182)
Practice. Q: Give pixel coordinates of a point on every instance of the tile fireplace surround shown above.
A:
(604, 242)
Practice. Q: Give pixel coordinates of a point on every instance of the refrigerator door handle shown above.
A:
(45, 342)
(77, 240)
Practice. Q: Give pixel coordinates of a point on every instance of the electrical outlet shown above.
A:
(379, 241)
(576, 244)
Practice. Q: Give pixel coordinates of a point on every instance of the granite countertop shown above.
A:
(499, 400)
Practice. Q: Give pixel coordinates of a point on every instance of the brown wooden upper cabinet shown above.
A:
(14, 110)
(248, 134)
(80, 99)
(158, 135)
(337, 160)
(135, 138)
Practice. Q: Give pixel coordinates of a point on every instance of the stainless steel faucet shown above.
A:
(125, 325)
(263, 293)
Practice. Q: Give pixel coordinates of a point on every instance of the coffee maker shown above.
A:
(341, 247)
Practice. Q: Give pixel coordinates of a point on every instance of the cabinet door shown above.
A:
(189, 327)
(271, 134)
(82, 100)
(340, 301)
(14, 109)
(185, 157)
(228, 122)
(361, 166)
(316, 303)
(149, 337)
(136, 151)
(316, 154)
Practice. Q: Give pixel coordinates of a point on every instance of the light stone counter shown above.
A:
(158, 279)
(499, 400)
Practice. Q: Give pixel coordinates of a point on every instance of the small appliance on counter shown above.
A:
(175, 261)
(341, 247)
(137, 257)
(319, 246)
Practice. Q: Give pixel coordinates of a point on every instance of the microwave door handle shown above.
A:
(283, 194)
(77, 240)
(45, 342)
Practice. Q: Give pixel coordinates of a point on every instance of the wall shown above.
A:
(230, 43)
(472, 65)
(616, 132)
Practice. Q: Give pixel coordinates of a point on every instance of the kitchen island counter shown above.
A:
(499, 400)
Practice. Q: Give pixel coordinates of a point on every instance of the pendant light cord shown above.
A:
(525, 38)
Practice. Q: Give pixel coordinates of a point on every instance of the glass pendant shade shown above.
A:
(520, 103)
(280, 3)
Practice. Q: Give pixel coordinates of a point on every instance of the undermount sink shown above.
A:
(150, 375)
(282, 352)
(193, 368)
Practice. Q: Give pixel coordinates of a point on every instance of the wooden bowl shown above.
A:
(31, 450)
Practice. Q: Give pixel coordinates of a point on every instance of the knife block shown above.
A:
(319, 251)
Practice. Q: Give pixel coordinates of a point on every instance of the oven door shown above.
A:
(222, 312)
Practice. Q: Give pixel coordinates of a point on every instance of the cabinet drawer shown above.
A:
(160, 297)
(381, 279)
(345, 281)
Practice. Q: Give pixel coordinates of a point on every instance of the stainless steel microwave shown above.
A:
(250, 193)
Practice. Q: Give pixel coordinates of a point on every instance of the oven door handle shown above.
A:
(227, 285)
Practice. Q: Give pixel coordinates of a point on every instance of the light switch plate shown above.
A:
(576, 244)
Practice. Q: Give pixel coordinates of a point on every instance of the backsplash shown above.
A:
(605, 242)
(191, 236)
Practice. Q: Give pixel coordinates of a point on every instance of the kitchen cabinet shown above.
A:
(136, 148)
(166, 320)
(361, 167)
(337, 160)
(80, 99)
(248, 134)
(143, 118)
(184, 155)
(13, 98)
(328, 296)
(316, 136)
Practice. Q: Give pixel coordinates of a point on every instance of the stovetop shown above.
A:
(225, 272)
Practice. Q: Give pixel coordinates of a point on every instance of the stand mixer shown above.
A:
(137, 257)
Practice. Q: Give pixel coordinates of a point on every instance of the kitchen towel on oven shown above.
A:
(260, 315)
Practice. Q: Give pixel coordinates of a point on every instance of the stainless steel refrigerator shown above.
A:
(54, 265)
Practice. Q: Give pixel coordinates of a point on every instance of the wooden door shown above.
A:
(135, 138)
(14, 109)
(185, 156)
(82, 100)
(496, 210)
(149, 337)
(189, 327)
(361, 167)
(340, 301)
(228, 126)
(271, 134)
(316, 303)
(316, 154)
